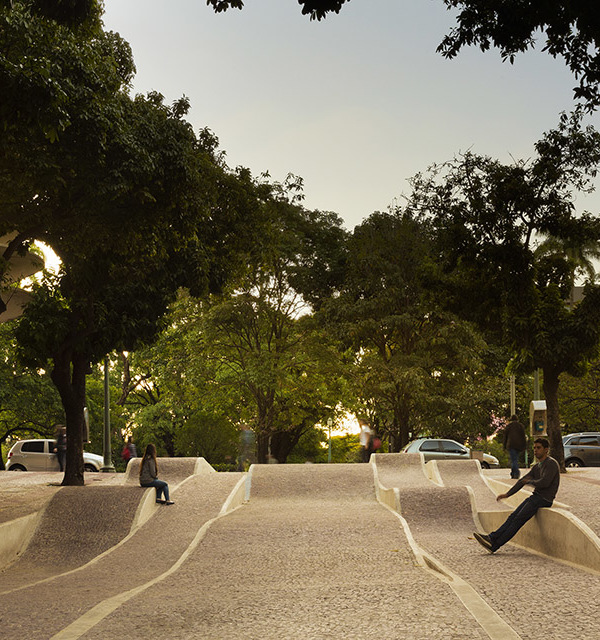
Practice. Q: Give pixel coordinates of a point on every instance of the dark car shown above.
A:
(582, 449)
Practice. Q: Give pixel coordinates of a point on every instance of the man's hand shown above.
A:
(501, 497)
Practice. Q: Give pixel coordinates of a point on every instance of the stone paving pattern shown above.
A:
(153, 549)
(313, 555)
(107, 519)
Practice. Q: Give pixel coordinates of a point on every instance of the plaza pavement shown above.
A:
(311, 554)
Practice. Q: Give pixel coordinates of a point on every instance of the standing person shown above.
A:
(149, 475)
(515, 441)
(364, 439)
(545, 477)
(60, 448)
(129, 450)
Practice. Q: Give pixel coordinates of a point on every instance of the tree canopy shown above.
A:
(489, 219)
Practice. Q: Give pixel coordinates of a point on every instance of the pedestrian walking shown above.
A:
(365, 440)
(149, 475)
(60, 449)
(515, 441)
(545, 478)
(129, 450)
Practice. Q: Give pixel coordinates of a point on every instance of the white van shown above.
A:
(38, 455)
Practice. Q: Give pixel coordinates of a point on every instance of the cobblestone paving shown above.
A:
(313, 555)
(31, 613)
(78, 524)
(517, 584)
(460, 473)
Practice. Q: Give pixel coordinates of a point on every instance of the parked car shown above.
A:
(442, 449)
(582, 449)
(37, 455)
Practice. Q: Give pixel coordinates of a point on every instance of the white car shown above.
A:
(445, 449)
(38, 455)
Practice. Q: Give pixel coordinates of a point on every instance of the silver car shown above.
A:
(442, 449)
(38, 455)
(582, 449)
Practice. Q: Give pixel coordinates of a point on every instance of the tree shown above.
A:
(416, 367)
(264, 346)
(29, 403)
(489, 219)
(579, 399)
(572, 31)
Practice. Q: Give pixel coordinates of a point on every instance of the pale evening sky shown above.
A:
(355, 104)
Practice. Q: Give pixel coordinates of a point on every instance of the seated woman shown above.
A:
(149, 475)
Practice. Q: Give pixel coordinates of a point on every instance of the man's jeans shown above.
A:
(514, 464)
(161, 488)
(524, 512)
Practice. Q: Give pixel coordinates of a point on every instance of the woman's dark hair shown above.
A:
(149, 453)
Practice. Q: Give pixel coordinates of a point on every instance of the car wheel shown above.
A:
(18, 467)
(90, 468)
(484, 465)
(574, 462)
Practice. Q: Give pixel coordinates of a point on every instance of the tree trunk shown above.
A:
(283, 442)
(554, 435)
(68, 375)
(262, 447)
(400, 426)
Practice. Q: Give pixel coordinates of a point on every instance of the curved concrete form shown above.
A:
(553, 532)
(441, 522)
(15, 536)
(312, 555)
(151, 551)
(77, 524)
(467, 473)
(171, 470)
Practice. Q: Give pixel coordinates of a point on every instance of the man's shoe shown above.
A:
(159, 501)
(484, 541)
(169, 502)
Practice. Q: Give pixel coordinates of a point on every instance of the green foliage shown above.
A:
(488, 218)
(29, 404)
(580, 400)
(572, 31)
(313, 447)
(414, 368)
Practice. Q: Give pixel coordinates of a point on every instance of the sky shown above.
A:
(355, 104)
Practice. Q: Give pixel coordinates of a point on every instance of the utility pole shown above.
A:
(108, 465)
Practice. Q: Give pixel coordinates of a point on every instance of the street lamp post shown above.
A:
(108, 465)
(329, 423)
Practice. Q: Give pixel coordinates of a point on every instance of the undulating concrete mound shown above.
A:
(41, 610)
(312, 555)
(78, 524)
(466, 473)
(401, 470)
(171, 470)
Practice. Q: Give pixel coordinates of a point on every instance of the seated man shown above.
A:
(545, 477)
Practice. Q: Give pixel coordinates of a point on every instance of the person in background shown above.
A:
(149, 475)
(515, 441)
(129, 450)
(364, 439)
(61, 446)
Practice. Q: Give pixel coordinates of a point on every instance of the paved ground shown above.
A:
(311, 555)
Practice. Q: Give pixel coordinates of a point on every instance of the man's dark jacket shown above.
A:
(514, 436)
